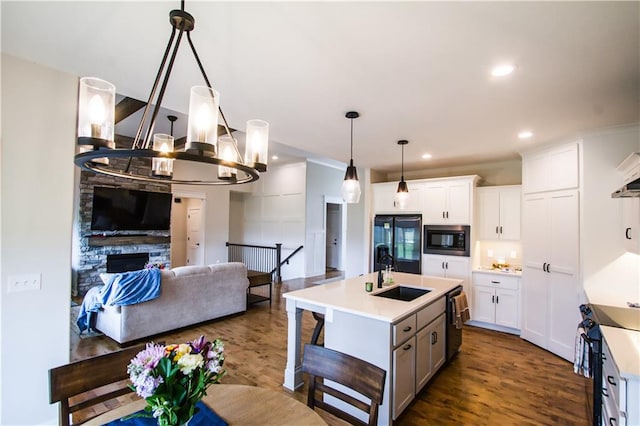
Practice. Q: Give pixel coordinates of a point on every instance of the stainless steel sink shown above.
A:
(400, 292)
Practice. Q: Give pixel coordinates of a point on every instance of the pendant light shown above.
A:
(402, 195)
(220, 160)
(351, 185)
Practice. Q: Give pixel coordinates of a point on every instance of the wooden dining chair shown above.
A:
(83, 384)
(322, 364)
(315, 336)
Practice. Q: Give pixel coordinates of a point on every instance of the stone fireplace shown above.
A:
(92, 249)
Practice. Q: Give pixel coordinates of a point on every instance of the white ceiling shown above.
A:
(414, 70)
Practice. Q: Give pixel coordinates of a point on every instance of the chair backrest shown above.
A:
(324, 364)
(77, 385)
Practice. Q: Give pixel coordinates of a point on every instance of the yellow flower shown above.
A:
(189, 362)
(182, 350)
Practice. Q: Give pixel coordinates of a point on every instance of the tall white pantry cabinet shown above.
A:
(551, 247)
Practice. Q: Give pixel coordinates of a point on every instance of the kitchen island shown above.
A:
(405, 338)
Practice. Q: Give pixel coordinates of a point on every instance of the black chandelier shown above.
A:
(96, 112)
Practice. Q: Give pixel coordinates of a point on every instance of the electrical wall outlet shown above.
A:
(25, 282)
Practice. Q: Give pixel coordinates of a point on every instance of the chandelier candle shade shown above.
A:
(351, 186)
(96, 115)
(225, 165)
(402, 195)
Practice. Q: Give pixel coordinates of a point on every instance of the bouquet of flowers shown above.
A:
(174, 378)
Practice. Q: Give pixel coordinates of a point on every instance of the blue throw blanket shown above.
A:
(127, 288)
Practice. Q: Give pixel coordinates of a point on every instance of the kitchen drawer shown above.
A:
(430, 313)
(404, 329)
(615, 387)
(494, 280)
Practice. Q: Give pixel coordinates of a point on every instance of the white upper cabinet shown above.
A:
(447, 202)
(630, 170)
(384, 198)
(551, 169)
(498, 212)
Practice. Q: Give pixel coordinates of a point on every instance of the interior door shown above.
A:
(195, 237)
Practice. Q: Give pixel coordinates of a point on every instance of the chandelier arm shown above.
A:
(163, 88)
(152, 94)
(206, 80)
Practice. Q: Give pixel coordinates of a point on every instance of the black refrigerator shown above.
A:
(400, 236)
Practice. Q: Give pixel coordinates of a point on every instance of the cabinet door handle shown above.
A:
(447, 215)
(434, 338)
(501, 229)
(407, 329)
(548, 266)
(443, 215)
(612, 421)
(495, 282)
(604, 392)
(493, 299)
(442, 265)
(626, 233)
(611, 381)
(497, 230)
(544, 266)
(406, 348)
(497, 299)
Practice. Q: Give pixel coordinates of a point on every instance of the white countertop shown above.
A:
(350, 296)
(624, 346)
(486, 270)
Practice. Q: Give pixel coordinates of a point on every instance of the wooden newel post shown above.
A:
(278, 261)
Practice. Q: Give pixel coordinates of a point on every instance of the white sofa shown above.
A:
(188, 295)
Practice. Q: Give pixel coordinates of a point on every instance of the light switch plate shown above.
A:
(24, 282)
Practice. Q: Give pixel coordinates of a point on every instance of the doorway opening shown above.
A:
(187, 229)
(335, 247)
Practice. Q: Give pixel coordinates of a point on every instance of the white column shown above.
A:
(293, 371)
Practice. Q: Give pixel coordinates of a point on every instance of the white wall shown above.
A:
(38, 144)
(358, 232)
(275, 213)
(322, 181)
(609, 273)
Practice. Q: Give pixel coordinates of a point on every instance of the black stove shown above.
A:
(593, 316)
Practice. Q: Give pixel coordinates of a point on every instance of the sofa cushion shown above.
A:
(182, 271)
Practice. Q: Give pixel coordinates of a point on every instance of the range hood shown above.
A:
(631, 189)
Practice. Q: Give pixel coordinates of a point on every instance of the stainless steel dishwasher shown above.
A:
(454, 334)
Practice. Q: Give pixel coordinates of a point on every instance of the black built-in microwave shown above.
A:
(453, 240)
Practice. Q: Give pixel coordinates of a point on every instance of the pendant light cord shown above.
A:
(402, 165)
(351, 139)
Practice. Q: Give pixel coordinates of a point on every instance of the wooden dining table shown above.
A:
(239, 405)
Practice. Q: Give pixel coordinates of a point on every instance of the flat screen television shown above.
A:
(119, 209)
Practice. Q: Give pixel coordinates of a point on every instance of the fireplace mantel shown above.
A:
(126, 240)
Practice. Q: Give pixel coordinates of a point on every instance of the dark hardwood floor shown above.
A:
(496, 379)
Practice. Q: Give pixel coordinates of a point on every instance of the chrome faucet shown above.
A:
(380, 262)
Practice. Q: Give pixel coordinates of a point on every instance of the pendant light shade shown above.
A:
(402, 195)
(351, 186)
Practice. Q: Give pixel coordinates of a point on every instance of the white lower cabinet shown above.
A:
(496, 300)
(404, 359)
(447, 267)
(430, 351)
(418, 352)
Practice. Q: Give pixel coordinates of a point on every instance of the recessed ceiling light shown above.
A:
(274, 157)
(502, 70)
(525, 134)
(426, 156)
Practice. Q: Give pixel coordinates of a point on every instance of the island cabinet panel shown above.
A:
(404, 373)
(411, 350)
(430, 351)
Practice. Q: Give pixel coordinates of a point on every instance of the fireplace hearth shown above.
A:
(126, 262)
